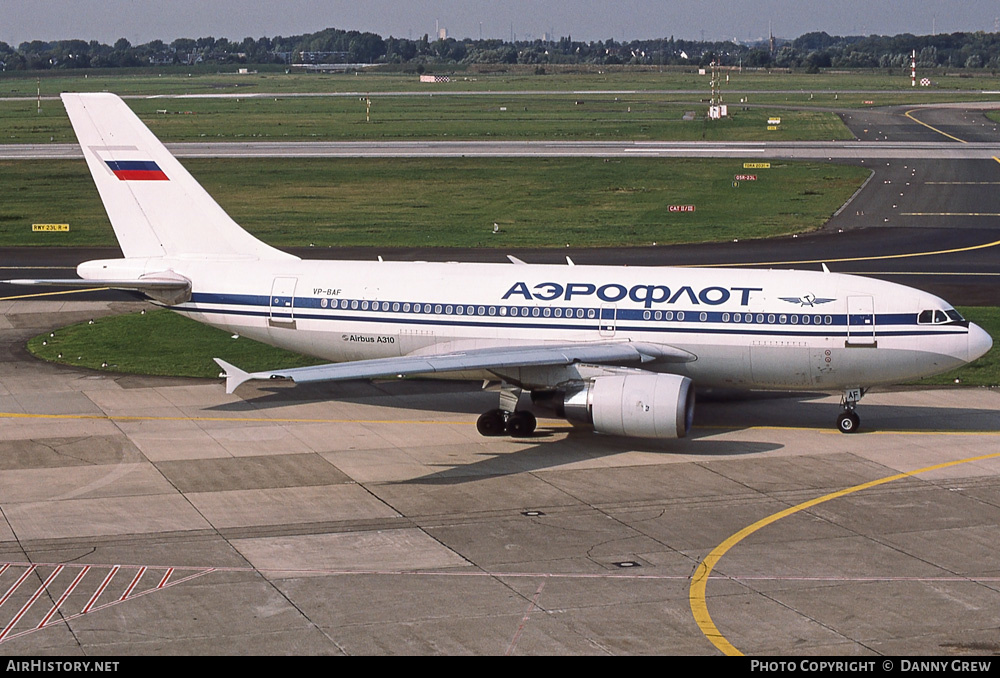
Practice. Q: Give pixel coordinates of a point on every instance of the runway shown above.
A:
(794, 150)
(162, 516)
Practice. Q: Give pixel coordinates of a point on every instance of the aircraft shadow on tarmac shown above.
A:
(718, 413)
(736, 410)
(575, 447)
(717, 409)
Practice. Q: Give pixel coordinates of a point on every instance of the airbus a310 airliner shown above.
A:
(617, 348)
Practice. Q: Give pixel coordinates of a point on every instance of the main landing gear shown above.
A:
(506, 419)
(848, 421)
(498, 422)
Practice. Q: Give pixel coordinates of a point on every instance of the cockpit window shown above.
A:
(939, 317)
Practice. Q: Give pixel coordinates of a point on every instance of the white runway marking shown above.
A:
(53, 572)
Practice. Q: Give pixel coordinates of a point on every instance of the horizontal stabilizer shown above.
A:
(234, 375)
(139, 285)
(169, 290)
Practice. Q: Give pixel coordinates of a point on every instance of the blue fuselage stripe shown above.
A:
(569, 318)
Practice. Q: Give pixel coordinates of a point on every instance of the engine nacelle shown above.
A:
(639, 405)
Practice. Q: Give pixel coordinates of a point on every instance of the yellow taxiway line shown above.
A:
(699, 582)
(931, 127)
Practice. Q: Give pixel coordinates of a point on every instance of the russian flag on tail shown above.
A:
(136, 170)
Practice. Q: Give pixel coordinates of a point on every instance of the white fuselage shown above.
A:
(748, 328)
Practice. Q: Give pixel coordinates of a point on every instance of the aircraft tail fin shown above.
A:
(155, 206)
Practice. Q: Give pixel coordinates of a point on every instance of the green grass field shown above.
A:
(164, 343)
(158, 342)
(510, 116)
(454, 202)
(580, 103)
(212, 79)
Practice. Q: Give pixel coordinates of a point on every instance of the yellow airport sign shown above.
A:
(50, 227)
(756, 165)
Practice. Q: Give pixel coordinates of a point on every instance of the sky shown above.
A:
(141, 21)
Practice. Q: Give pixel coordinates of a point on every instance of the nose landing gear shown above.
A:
(848, 421)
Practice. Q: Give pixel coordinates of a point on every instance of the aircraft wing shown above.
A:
(488, 358)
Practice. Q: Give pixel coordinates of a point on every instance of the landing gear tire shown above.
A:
(521, 424)
(848, 422)
(492, 423)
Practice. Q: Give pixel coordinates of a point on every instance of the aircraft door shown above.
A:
(860, 321)
(282, 306)
(608, 320)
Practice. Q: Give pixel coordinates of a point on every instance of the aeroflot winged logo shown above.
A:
(136, 170)
(807, 300)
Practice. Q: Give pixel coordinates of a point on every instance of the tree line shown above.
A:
(812, 52)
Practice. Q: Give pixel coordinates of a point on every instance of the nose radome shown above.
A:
(979, 342)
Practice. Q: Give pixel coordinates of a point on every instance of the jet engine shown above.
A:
(636, 404)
